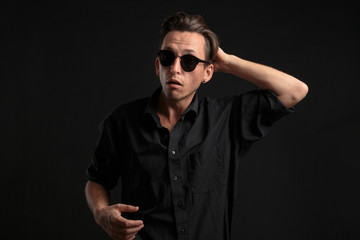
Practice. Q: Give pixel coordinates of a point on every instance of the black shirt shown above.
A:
(184, 182)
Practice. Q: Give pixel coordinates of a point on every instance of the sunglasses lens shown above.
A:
(188, 63)
(166, 58)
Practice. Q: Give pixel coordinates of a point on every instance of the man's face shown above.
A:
(178, 84)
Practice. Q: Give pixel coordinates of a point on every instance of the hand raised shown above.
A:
(118, 227)
(220, 61)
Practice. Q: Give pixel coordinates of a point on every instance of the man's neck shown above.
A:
(170, 111)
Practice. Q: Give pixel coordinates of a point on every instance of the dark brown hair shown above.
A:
(191, 23)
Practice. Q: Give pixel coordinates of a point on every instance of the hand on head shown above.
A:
(220, 61)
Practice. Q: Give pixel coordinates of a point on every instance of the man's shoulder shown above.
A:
(221, 100)
(224, 103)
(215, 102)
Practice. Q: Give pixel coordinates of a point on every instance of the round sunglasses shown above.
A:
(187, 62)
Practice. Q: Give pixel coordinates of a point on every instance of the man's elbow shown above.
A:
(295, 95)
(300, 91)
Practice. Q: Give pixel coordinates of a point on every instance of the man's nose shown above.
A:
(176, 67)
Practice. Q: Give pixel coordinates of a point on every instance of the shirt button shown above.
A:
(173, 152)
(180, 204)
(182, 231)
(176, 178)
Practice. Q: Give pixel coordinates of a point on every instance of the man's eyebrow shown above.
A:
(190, 51)
(186, 51)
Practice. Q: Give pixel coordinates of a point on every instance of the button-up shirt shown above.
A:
(183, 181)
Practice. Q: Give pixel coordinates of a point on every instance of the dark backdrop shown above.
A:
(67, 64)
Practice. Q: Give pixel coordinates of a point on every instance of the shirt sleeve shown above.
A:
(105, 166)
(254, 113)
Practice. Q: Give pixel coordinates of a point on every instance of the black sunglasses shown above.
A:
(187, 62)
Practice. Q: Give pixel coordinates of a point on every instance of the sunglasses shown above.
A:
(187, 62)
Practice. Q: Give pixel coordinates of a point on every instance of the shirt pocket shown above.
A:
(206, 171)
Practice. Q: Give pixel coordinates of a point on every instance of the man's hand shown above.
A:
(221, 60)
(119, 228)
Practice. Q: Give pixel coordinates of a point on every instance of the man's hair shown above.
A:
(184, 22)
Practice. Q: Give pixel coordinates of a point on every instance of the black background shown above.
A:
(65, 65)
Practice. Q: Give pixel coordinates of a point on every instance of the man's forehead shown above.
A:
(184, 41)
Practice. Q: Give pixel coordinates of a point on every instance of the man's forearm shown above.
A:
(288, 89)
(97, 196)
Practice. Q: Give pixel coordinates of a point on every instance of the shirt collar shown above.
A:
(194, 106)
(151, 105)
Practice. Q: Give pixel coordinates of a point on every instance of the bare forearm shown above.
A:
(288, 89)
(262, 76)
(97, 196)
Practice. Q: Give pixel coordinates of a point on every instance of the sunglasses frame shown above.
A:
(197, 60)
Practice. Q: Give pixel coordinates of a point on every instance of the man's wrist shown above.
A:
(229, 63)
(98, 212)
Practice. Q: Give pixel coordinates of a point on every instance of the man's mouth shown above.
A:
(174, 82)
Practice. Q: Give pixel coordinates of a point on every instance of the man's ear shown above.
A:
(157, 66)
(208, 73)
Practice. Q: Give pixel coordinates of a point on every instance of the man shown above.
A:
(177, 155)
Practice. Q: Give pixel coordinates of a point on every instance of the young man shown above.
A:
(177, 155)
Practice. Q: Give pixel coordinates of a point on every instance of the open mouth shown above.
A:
(173, 82)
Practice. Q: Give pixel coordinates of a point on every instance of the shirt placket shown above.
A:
(176, 182)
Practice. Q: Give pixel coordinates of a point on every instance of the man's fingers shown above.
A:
(126, 208)
(126, 229)
(132, 230)
(120, 227)
(126, 223)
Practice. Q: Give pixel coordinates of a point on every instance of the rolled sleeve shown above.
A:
(105, 166)
(255, 112)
